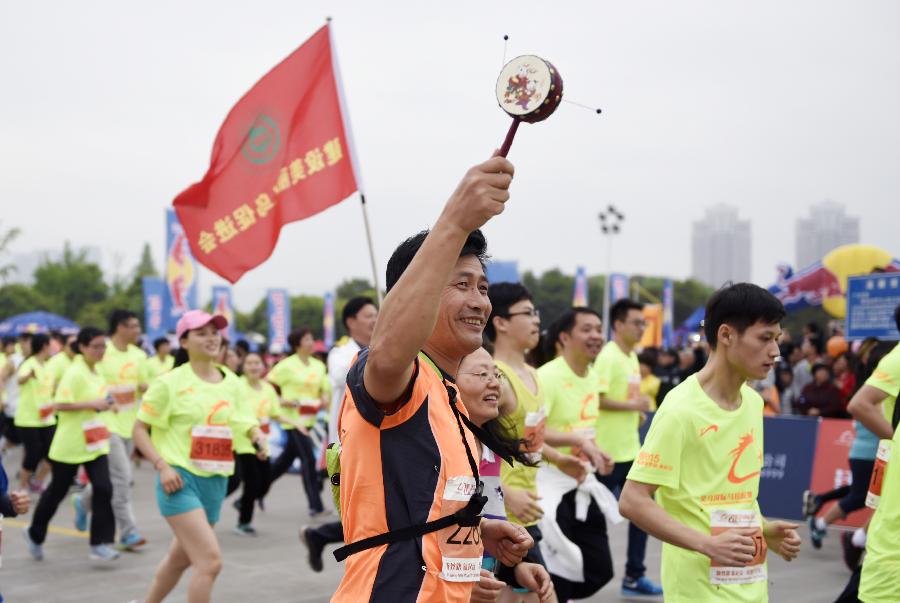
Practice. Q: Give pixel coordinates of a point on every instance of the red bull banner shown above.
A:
(154, 307)
(580, 295)
(221, 305)
(831, 468)
(279, 313)
(181, 272)
(328, 320)
(283, 154)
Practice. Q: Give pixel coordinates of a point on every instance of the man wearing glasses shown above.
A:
(621, 408)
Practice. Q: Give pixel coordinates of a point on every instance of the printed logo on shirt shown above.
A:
(709, 428)
(221, 405)
(745, 443)
(586, 408)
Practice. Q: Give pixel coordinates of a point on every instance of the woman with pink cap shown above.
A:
(192, 412)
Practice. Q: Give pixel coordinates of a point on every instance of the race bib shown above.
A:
(211, 448)
(96, 435)
(535, 424)
(460, 546)
(723, 520)
(124, 396)
(45, 411)
(634, 386)
(873, 496)
(310, 407)
(265, 425)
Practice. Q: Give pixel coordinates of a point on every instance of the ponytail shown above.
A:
(181, 357)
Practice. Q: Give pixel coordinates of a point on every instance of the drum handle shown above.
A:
(510, 134)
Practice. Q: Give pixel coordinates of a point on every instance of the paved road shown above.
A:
(271, 567)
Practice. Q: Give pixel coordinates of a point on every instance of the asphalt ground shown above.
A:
(272, 567)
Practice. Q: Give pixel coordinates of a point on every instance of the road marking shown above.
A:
(52, 529)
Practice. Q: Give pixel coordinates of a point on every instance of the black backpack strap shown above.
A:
(466, 517)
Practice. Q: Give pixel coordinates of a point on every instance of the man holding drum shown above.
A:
(408, 455)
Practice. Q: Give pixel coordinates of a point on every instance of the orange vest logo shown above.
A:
(586, 408)
(737, 453)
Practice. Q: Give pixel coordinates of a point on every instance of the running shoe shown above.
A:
(244, 529)
(642, 587)
(811, 504)
(815, 534)
(81, 514)
(131, 542)
(34, 549)
(35, 486)
(313, 548)
(104, 553)
(320, 513)
(852, 553)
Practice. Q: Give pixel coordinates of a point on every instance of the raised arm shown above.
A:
(410, 310)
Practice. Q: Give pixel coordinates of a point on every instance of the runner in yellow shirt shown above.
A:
(514, 329)
(35, 417)
(160, 363)
(123, 368)
(193, 414)
(621, 404)
(702, 460)
(259, 402)
(61, 361)
(570, 396)
(875, 406)
(81, 438)
(305, 389)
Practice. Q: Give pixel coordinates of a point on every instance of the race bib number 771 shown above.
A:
(724, 520)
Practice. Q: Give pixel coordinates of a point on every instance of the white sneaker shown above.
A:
(103, 552)
(34, 549)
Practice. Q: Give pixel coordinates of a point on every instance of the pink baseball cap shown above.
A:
(194, 319)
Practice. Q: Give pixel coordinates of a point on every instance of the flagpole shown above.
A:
(345, 116)
(365, 213)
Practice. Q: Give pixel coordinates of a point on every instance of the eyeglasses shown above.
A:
(485, 376)
(533, 313)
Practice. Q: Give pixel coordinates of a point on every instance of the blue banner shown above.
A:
(790, 446)
(154, 307)
(668, 326)
(871, 300)
(222, 305)
(618, 287)
(181, 273)
(502, 272)
(279, 315)
(328, 320)
(580, 295)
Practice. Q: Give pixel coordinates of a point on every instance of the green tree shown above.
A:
(70, 284)
(5, 239)
(354, 287)
(307, 311)
(18, 299)
(146, 267)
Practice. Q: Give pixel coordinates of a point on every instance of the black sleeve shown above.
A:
(371, 409)
(6, 508)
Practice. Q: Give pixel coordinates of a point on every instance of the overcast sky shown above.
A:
(109, 109)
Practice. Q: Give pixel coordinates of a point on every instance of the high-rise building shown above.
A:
(828, 226)
(720, 247)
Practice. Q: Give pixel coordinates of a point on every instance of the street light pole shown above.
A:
(611, 220)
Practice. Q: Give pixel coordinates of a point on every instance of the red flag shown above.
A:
(282, 155)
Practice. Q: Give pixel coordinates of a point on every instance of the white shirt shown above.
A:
(339, 360)
(12, 385)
